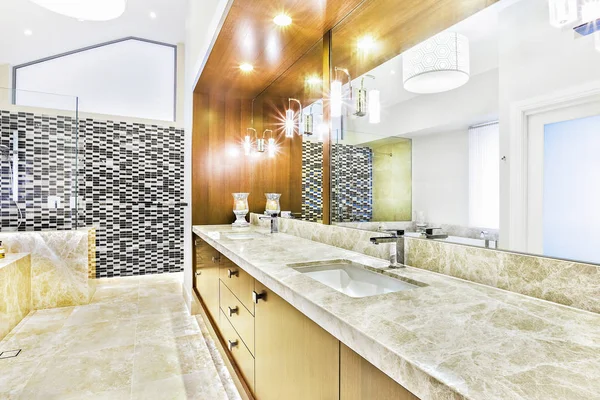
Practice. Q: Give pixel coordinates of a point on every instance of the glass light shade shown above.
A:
(374, 107)
(289, 123)
(562, 12)
(438, 64)
(271, 148)
(240, 209)
(336, 99)
(272, 207)
(87, 10)
(590, 10)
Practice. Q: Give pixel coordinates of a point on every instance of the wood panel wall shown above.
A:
(219, 167)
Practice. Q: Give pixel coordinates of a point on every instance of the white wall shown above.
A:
(440, 173)
(131, 78)
(205, 18)
(535, 59)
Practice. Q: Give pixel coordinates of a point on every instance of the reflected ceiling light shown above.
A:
(314, 80)
(152, 15)
(366, 43)
(282, 20)
(590, 10)
(392, 72)
(88, 10)
(438, 64)
(290, 118)
(28, 32)
(562, 12)
(245, 67)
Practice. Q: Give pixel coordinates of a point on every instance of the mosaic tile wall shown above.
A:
(130, 186)
(352, 190)
(312, 181)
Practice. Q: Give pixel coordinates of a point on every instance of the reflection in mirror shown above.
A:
(485, 133)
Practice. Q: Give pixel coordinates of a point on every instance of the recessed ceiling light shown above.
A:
(282, 20)
(366, 43)
(314, 80)
(28, 32)
(152, 15)
(245, 67)
(392, 72)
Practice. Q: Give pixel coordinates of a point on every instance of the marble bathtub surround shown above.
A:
(559, 281)
(62, 265)
(15, 291)
(133, 348)
(451, 339)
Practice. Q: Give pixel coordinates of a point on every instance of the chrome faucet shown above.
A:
(393, 240)
(484, 235)
(430, 235)
(274, 222)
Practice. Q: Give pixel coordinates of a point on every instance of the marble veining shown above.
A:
(60, 265)
(15, 291)
(451, 339)
(564, 282)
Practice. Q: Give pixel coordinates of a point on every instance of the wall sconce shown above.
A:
(248, 141)
(271, 146)
(336, 93)
(309, 122)
(368, 104)
(361, 97)
(260, 143)
(290, 118)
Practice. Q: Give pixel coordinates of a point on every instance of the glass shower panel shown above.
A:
(41, 163)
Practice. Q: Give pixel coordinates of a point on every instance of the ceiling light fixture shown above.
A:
(282, 20)
(314, 80)
(88, 10)
(562, 12)
(245, 67)
(152, 15)
(439, 64)
(28, 32)
(366, 43)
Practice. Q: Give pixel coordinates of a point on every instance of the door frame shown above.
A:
(520, 113)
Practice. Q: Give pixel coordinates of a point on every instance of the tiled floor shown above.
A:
(136, 340)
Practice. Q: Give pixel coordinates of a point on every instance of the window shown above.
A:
(484, 176)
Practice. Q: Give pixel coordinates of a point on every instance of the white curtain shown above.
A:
(484, 176)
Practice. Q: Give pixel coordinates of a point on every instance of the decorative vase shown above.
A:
(240, 209)
(272, 207)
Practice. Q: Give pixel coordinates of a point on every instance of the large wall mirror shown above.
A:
(482, 120)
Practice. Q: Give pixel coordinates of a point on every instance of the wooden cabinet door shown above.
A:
(295, 358)
(206, 276)
(361, 380)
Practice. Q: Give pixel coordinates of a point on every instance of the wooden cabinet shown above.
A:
(361, 380)
(239, 317)
(296, 359)
(238, 281)
(206, 276)
(238, 350)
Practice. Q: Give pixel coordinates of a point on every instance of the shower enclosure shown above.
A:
(41, 165)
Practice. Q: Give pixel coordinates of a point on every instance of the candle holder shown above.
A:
(272, 207)
(240, 209)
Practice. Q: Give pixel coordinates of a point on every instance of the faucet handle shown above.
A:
(397, 232)
(429, 231)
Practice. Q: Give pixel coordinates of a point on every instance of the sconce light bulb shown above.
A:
(247, 145)
(271, 148)
(289, 123)
(336, 99)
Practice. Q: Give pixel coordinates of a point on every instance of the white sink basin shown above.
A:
(353, 280)
(243, 235)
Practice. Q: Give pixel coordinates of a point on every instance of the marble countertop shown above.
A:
(450, 339)
(11, 258)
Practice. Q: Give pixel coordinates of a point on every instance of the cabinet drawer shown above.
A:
(238, 281)
(238, 350)
(238, 316)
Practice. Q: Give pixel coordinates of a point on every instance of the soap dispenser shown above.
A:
(2, 250)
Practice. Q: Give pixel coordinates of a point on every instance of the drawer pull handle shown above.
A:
(198, 273)
(232, 311)
(231, 273)
(231, 344)
(216, 259)
(258, 296)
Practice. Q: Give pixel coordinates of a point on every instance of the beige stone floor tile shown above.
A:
(165, 360)
(160, 290)
(158, 328)
(127, 294)
(102, 312)
(161, 278)
(162, 305)
(94, 337)
(196, 386)
(45, 321)
(33, 346)
(86, 373)
(117, 282)
(14, 376)
(120, 394)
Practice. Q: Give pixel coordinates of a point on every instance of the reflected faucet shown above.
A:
(393, 240)
(484, 235)
(430, 235)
